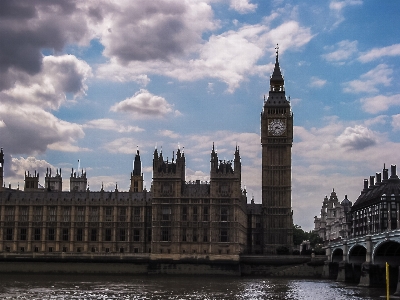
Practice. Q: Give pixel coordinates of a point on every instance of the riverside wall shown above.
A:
(269, 266)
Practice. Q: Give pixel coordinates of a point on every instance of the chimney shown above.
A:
(378, 177)
(393, 171)
(385, 173)
(371, 181)
(365, 184)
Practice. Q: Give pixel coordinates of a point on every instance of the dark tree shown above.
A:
(299, 235)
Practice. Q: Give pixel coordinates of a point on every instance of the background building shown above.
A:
(377, 208)
(333, 222)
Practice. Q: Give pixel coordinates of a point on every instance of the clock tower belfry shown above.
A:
(276, 141)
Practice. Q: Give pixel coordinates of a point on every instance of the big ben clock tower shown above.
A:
(276, 141)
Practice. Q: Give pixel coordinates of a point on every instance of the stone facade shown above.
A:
(333, 225)
(176, 219)
(376, 210)
(198, 218)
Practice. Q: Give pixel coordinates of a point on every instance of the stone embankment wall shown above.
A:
(283, 266)
(274, 266)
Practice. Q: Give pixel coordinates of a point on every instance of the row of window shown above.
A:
(195, 213)
(78, 249)
(193, 235)
(65, 234)
(80, 213)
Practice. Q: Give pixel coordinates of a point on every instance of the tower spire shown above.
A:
(276, 80)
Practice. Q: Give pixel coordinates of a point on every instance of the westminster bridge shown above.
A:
(362, 259)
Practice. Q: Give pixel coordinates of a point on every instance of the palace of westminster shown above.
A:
(175, 219)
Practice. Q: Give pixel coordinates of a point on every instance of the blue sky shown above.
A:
(94, 80)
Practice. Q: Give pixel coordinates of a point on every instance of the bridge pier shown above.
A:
(349, 272)
(330, 270)
(343, 268)
(326, 270)
(367, 268)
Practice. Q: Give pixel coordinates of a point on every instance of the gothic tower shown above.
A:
(276, 141)
(225, 178)
(31, 181)
(137, 175)
(53, 183)
(77, 182)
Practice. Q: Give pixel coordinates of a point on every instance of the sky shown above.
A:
(96, 80)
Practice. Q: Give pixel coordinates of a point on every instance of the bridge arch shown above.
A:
(337, 255)
(357, 254)
(387, 251)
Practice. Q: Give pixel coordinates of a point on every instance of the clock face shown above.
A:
(276, 127)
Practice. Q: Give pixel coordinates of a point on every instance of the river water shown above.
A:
(30, 286)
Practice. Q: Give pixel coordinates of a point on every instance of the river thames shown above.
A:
(32, 286)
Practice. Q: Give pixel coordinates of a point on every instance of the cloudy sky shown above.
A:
(94, 80)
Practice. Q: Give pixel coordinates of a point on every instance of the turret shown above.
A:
(53, 183)
(137, 164)
(31, 181)
(224, 168)
(225, 175)
(171, 169)
(237, 163)
(136, 175)
(168, 176)
(78, 182)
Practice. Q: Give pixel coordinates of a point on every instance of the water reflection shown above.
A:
(175, 287)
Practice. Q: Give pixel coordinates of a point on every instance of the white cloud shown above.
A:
(109, 124)
(339, 5)
(335, 143)
(317, 82)
(378, 53)
(341, 51)
(30, 27)
(337, 9)
(229, 57)
(379, 103)
(145, 105)
(29, 129)
(396, 122)
(357, 138)
(289, 35)
(311, 185)
(169, 133)
(380, 75)
(192, 175)
(382, 120)
(67, 146)
(210, 88)
(31, 164)
(152, 30)
(48, 88)
(243, 6)
(122, 145)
